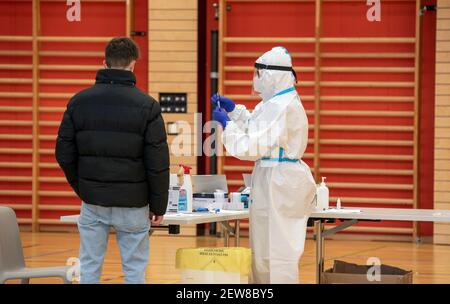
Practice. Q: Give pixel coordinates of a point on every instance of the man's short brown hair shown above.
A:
(120, 52)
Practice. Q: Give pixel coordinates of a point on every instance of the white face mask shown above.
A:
(261, 85)
(257, 85)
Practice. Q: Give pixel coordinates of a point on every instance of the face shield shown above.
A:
(257, 73)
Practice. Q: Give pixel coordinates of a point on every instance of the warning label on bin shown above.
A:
(226, 259)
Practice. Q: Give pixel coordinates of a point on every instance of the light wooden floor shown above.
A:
(430, 263)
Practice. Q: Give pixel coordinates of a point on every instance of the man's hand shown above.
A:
(156, 219)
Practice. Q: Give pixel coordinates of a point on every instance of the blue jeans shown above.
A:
(131, 226)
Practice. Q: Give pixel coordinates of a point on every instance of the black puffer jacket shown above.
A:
(112, 145)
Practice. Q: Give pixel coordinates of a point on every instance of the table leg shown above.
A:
(320, 249)
(237, 233)
(226, 236)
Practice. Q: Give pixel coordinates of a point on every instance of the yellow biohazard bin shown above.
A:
(227, 265)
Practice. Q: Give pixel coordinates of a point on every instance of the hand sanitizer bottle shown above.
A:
(185, 198)
(323, 196)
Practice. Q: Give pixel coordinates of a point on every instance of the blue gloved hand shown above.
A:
(221, 116)
(225, 103)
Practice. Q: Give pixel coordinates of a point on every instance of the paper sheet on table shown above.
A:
(175, 215)
(231, 211)
(334, 210)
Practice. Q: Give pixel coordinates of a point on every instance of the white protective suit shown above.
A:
(275, 135)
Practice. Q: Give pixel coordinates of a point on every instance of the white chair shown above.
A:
(12, 262)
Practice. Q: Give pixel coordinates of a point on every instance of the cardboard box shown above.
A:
(348, 273)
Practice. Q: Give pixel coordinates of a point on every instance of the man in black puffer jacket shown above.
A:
(112, 147)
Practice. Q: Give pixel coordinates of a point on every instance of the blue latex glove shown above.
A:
(221, 116)
(225, 103)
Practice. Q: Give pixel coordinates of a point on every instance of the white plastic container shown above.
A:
(174, 192)
(235, 202)
(236, 197)
(219, 200)
(323, 196)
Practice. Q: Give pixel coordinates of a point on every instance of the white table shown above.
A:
(172, 221)
(366, 214)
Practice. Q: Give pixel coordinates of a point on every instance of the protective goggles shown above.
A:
(260, 66)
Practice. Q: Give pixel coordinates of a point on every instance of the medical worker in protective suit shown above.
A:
(275, 136)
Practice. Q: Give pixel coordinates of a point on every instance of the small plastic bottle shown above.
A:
(323, 196)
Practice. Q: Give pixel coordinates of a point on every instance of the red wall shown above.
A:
(297, 20)
(97, 20)
(108, 20)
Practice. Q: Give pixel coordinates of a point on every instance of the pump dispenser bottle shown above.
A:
(323, 196)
